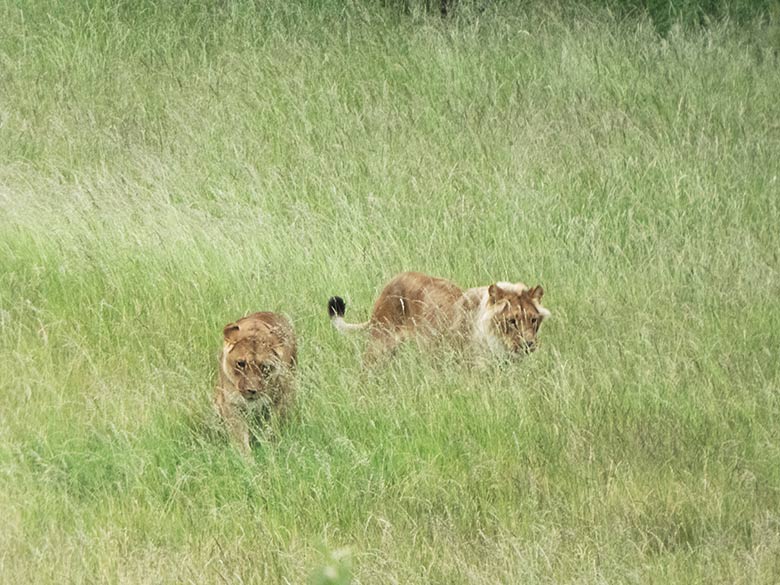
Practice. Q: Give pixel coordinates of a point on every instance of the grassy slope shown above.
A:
(166, 171)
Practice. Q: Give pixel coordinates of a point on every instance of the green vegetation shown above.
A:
(168, 167)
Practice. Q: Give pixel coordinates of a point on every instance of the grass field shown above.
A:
(168, 167)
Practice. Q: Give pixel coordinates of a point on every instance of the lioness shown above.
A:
(502, 318)
(255, 372)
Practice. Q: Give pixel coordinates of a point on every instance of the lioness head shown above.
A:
(250, 359)
(517, 314)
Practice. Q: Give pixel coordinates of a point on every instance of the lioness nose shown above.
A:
(252, 391)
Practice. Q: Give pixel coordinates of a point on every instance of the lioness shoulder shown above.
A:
(256, 366)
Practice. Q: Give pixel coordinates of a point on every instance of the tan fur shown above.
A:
(255, 372)
(500, 318)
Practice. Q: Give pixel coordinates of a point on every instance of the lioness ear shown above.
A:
(492, 290)
(495, 293)
(536, 296)
(230, 333)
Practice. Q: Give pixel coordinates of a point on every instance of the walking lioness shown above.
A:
(255, 373)
(502, 318)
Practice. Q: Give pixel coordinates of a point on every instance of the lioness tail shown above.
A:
(336, 309)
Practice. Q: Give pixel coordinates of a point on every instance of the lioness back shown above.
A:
(414, 300)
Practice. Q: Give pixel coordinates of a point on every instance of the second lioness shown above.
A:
(502, 318)
(255, 373)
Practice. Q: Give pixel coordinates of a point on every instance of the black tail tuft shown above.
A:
(336, 307)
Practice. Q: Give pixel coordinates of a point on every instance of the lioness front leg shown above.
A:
(239, 432)
(281, 405)
(237, 426)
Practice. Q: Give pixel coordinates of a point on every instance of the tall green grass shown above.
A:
(166, 168)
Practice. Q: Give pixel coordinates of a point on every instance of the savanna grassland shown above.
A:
(166, 168)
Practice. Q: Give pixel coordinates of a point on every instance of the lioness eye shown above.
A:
(534, 321)
(511, 322)
(240, 364)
